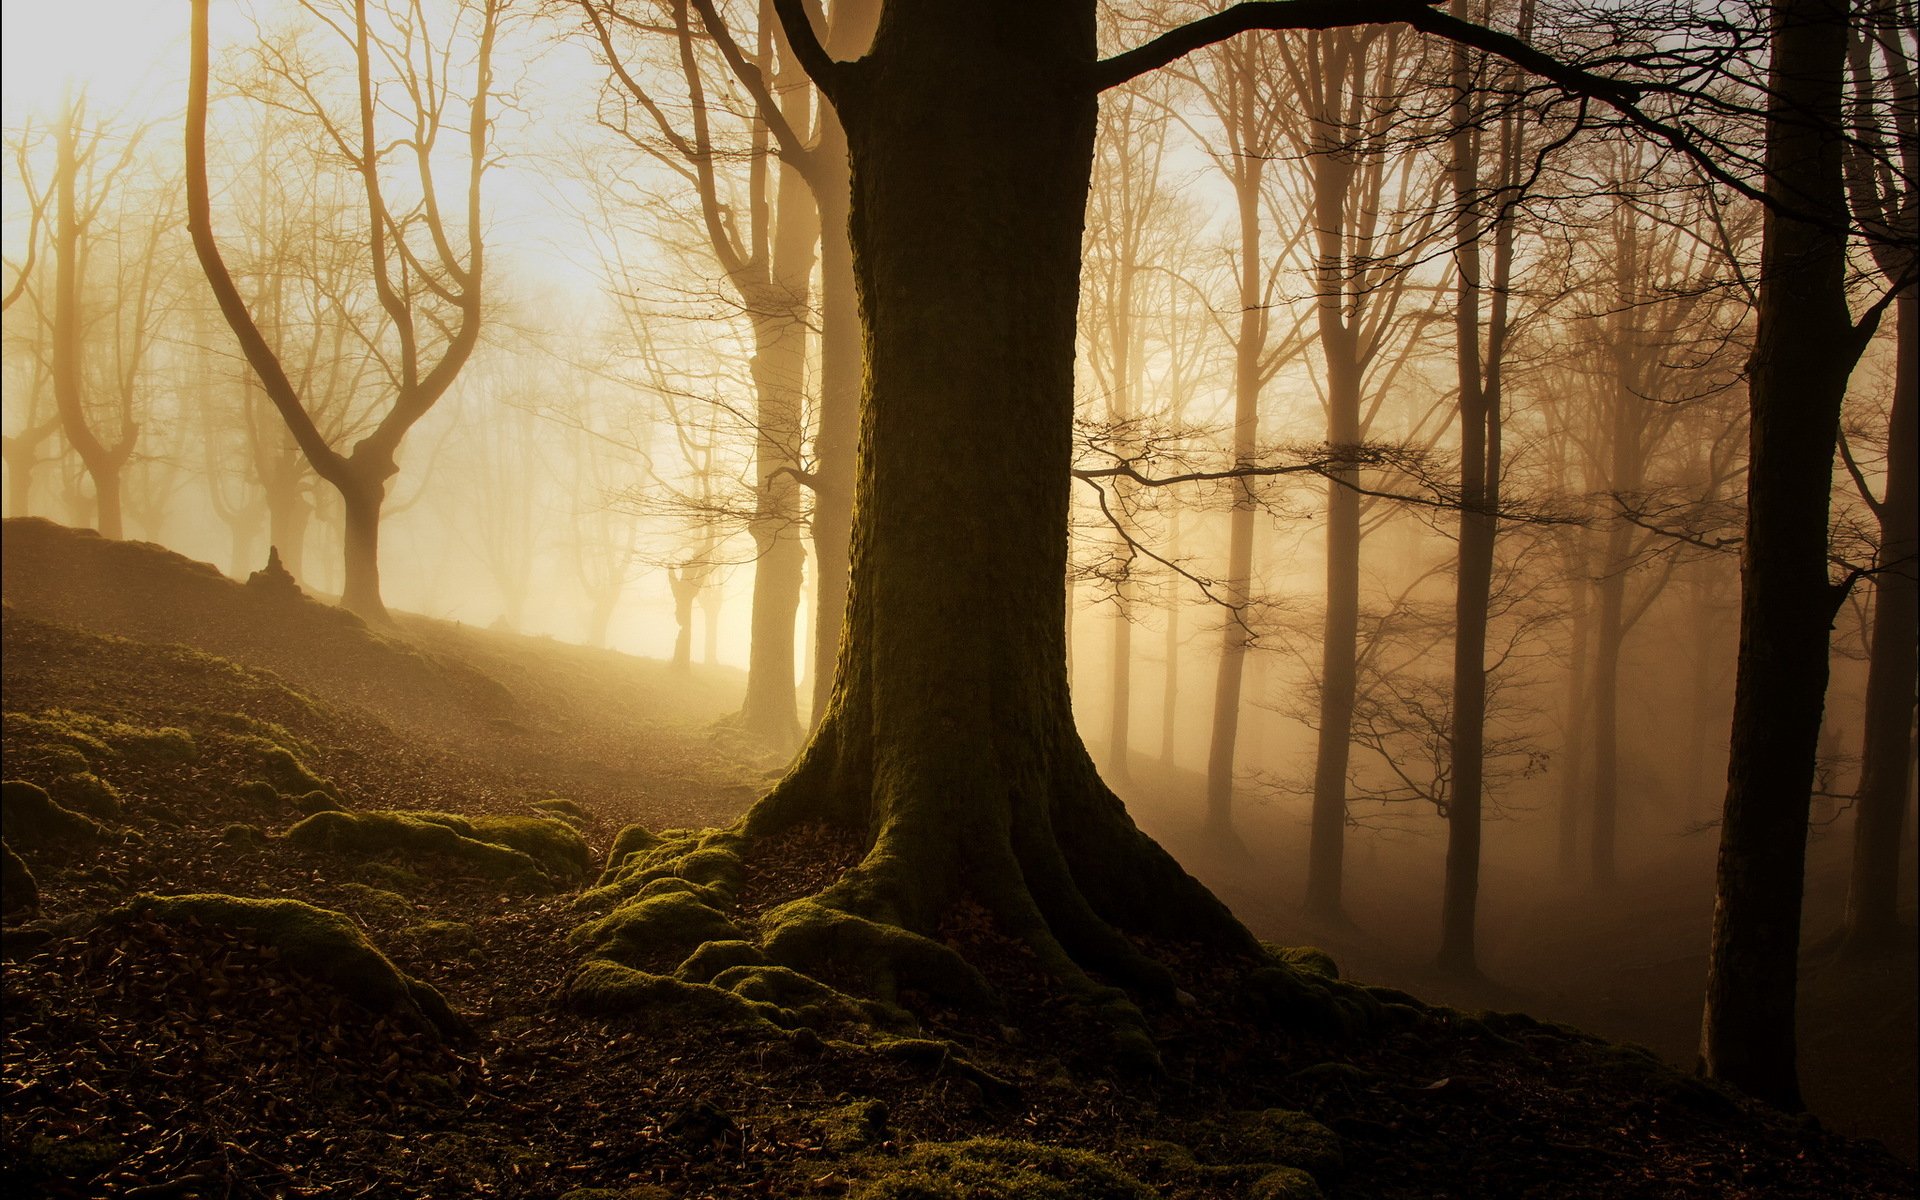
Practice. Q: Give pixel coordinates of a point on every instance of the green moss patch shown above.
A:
(656, 930)
(33, 820)
(1310, 960)
(88, 793)
(556, 845)
(850, 1127)
(995, 1169)
(709, 858)
(607, 988)
(377, 902)
(103, 739)
(412, 837)
(877, 959)
(563, 809)
(314, 941)
(285, 771)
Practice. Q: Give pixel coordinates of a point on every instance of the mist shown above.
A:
(961, 599)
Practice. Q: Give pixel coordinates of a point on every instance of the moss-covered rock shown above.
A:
(846, 1128)
(88, 793)
(377, 902)
(710, 859)
(279, 766)
(563, 809)
(656, 930)
(314, 941)
(103, 739)
(244, 836)
(1309, 959)
(18, 891)
(879, 958)
(409, 836)
(446, 938)
(634, 839)
(260, 794)
(994, 1169)
(556, 845)
(711, 958)
(33, 820)
(607, 988)
(1277, 1136)
(1285, 1183)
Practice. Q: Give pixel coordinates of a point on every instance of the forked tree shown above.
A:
(424, 263)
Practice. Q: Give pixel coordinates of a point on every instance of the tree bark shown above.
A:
(1805, 347)
(362, 493)
(949, 740)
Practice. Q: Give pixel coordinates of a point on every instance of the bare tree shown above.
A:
(426, 271)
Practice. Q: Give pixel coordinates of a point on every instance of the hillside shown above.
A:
(443, 799)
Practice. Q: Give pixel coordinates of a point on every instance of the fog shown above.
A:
(592, 375)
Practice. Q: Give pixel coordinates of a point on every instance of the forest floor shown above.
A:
(151, 1055)
(1628, 963)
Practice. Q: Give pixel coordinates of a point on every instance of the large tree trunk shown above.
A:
(1873, 899)
(949, 741)
(1805, 347)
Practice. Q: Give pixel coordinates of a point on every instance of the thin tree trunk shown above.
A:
(1246, 421)
(1170, 677)
(1573, 788)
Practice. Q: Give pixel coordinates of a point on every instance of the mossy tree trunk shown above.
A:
(949, 739)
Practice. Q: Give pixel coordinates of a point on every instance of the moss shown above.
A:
(279, 766)
(88, 793)
(553, 843)
(563, 809)
(811, 1002)
(654, 930)
(394, 877)
(995, 1169)
(850, 1127)
(104, 739)
(608, 988)
(260, 794)
(410, 836)
(315, 941)
(1278, 1136)
(445, 937)
(1285, 1183)
(318, 801)
(633, 839)
(880, 958)
(32, 819)
(18, 891)
(1290, 996)
(644, 1191)
(255, 728)
(377, 902)
(57, 759)
(250, 836)
(1309, 959)
(711, 958)
(710, 859)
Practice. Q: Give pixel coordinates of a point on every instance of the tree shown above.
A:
(1805, 347)
(97, 408)
(426, 273)
(1882, 187)
(949, 741)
